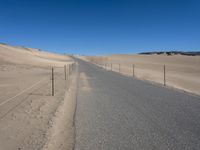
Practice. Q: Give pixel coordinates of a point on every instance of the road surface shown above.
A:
(115, 112)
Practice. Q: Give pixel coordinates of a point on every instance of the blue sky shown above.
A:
(93, 27)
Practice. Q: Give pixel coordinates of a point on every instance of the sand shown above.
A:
(32, 57)
(28, 112)
(182, 72)
(62, 134)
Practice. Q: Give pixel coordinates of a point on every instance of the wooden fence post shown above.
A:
(52, 81)
(70, 69)
(164, 76)
(119, 68)
(65, 69)
(133, 70)
(111, 66)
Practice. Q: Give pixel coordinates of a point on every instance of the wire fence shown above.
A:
(67, 72)
(130, 69)
(59, 81)
(181, 77)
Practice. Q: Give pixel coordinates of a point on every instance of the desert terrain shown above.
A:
(182, 72)
(96, 107)
(29, 115)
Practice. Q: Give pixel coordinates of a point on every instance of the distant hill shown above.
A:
(169, 53)
(29, 56)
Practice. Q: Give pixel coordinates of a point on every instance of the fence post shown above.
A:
(111, 66)
(52, 81)
(65, 69)
(164, 76)
(119, 68)
(74, 66)
(69, 69)
(133, 70)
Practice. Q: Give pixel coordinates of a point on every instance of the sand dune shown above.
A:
(28, 56)
(182, 72)
(27, 107)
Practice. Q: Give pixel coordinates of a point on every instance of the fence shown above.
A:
(185, 77)
(67, 71)
(129, 69)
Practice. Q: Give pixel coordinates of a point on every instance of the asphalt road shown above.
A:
(115, 112)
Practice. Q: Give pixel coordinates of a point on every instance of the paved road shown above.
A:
(115, 112)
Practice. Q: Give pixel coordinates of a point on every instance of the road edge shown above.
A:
(62, 132)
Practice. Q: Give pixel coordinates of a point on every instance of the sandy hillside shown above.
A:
(28, 56)
(182, 72)
(28, 111)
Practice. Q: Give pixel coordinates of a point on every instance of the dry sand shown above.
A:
(62, 135)
(28, 112)
(32, 57)
(182, 72)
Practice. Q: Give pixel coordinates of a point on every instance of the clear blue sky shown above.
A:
(101, 26)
